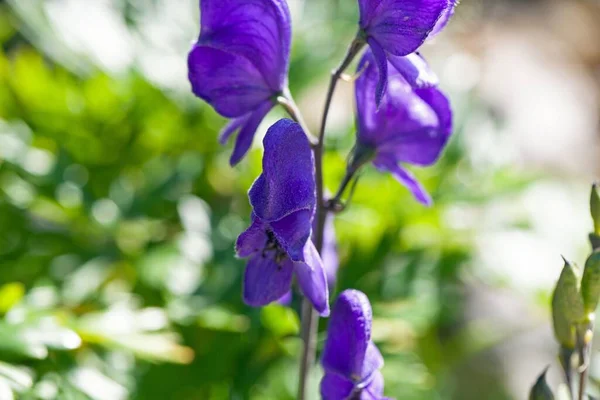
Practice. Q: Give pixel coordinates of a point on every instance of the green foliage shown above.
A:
(567, 306)
(590, 283)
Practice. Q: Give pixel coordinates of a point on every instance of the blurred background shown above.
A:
(118, 209)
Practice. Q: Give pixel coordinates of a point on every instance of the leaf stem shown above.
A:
(310, 318)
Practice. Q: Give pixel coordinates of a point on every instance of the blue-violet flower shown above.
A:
(240, 62)
(277, 242)
(350, 359)
(396, 28)
(411, 125)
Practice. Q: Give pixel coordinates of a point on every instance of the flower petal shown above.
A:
(415, 70)
(228, 82)
(258, 30)
(401, 26)
(405, 178)
(246, 135)
(312, 280)
(348, 349)
(292, 232)
(382, 66)
(287, 183)
(265, 281)
(232, 126)
(286, 299)
(443, 21)
(329, 253)
(402, 113)
(252, 240)
(335, 387)
(374, 390)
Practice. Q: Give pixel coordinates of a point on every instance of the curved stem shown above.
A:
(310, 318)
(287, 102)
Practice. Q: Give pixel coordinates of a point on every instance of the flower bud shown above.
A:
(590, 283)
(595, 208)
(541, 390)
(567, 306)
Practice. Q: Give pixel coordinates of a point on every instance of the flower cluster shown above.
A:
(239, 65)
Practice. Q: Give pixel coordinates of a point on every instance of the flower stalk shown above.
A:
(309, 317)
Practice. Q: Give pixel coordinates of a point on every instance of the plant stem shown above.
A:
(585, 347)
(287, 102)
(310, 318)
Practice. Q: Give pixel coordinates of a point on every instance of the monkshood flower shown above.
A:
(396, 28)
(239, 63)
(277, 243)
(329, 256)
(411, 125)
(350, 359)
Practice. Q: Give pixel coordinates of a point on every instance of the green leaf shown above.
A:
(567, 306)
(595, 208)
(590, 283)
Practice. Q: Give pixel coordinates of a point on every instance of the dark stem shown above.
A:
(310, 318)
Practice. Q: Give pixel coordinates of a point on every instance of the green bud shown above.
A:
(541, 390)
(595, 208)
(590, 283)
(567, 306)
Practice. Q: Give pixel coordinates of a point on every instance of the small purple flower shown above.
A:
(277, 242)
(396, 28)
(411, 126)
(350, 359)
(328, 255)
(240, 62)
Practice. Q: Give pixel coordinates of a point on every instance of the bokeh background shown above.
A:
(118, 209)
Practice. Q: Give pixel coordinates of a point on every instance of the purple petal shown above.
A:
(335, 387)
(232, 127)
(382, 66)
(252, 240)
(348, 349)
(374, 390)
(286, 299)
(401, 26)
(443, 21)
(265, 281)
(287, 183)
(405, 178)
(258, 30)
(246, 135)
(402, 114)
(292, 232)
(312, 280)
(228, 82)
(415, 70)
(329, 253)
(438, 101)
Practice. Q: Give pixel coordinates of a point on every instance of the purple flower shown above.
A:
(328, 255)
(411, 126)
(397, 28)
(239, 64)
(277, 242)
(350, 359)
